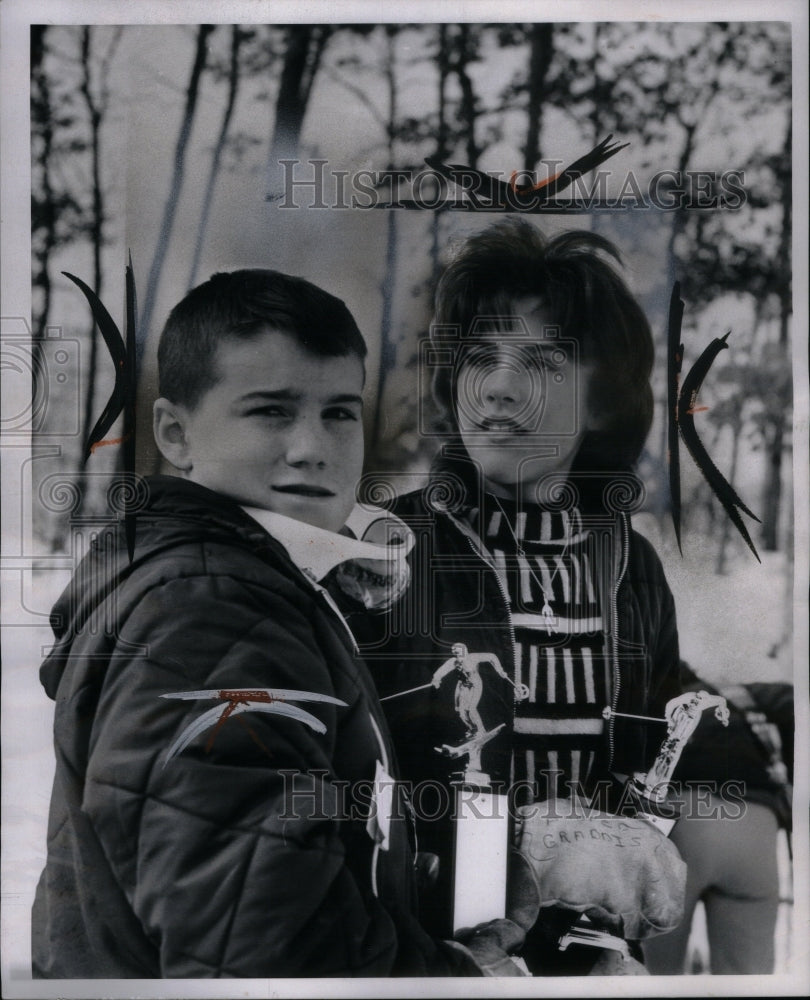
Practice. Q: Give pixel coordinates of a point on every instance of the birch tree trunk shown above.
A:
(237, 36)
(175, 187)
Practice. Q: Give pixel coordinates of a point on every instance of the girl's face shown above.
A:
(521, 401)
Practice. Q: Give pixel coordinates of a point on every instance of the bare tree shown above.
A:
(304, 48)
(238, 36)
(442, 131)
(541, 50)
(775, 441)
(176, 184)
(387, 347)
(465, 54)
(54, 209)
(96, 100)
(43, 211)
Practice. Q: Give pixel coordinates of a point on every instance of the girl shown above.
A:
(542, 360)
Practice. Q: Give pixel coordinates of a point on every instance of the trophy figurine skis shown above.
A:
(683, 714)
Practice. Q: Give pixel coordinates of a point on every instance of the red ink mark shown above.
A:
(253, 736)
(531, 187)
(693, 407)
(101, 444)
(220, 723)
(235, 698)
(243, 697)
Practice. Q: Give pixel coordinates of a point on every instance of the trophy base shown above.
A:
(481, 850)
(472, 779)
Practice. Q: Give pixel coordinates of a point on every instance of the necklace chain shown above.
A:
(547, 611)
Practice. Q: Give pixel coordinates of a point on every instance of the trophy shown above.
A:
(481, 829)
(682, 716)
(481, 814)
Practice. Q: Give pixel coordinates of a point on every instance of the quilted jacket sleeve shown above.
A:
(666, 682)
(649, 656)
(232, 854)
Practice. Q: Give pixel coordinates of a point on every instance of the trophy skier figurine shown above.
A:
(682, 716)
(469, 688)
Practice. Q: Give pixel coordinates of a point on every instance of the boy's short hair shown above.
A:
(240, 305)
(580, 292)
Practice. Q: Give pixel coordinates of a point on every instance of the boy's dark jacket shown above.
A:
(190, 869)
(456, 597)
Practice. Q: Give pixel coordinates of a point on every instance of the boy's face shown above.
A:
(281, 429)
(521, 403)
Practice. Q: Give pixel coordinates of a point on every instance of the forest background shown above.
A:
(168, 142)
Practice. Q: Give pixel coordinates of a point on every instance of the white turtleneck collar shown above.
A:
(376, 570)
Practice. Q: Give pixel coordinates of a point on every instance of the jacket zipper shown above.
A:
(375, 854)
(485, 557)
(384, 761)
(483, 554)
(614, 638)
(327, 598)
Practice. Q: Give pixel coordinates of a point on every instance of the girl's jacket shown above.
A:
(250, 852)
(456, 597)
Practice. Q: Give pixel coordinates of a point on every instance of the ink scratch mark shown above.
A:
(122, 398)
(681, 405)
(240, 700)
(118, 352)
(533, 187)
(107, 441)
(561, 180)
(475, 183)
(674, 364)
(131, 388)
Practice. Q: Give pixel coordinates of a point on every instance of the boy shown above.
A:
(253, 838)
(542, 364)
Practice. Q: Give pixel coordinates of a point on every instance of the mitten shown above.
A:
(622, 873)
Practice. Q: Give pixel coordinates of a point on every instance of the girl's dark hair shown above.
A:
(579, 291)
(240, 305)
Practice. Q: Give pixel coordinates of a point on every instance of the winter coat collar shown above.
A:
(316, 552)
